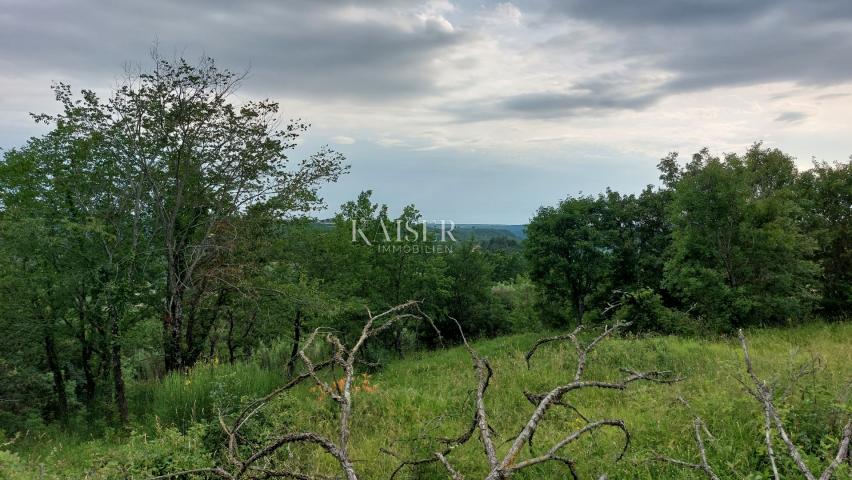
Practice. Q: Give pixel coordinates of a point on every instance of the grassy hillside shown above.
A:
(429, 395)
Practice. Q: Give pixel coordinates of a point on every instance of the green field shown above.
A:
(429, 395)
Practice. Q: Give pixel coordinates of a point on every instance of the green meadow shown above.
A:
(405, 404)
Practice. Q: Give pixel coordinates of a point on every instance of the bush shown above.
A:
(645, 311)
(517, 299)
(168, 452)
(12, 467)
(25, 392)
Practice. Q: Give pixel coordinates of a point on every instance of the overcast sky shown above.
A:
(477, 112)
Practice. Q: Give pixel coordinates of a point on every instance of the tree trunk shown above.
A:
(199, 324)
(172, 322)
(86, 352)
(397, 341)
(579, 303)
(297, 334)
(214, 340)
(229, 340)
(118, 374)
(88, 375)
(58, 379)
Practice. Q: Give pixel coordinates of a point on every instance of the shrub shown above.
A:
(645, 311)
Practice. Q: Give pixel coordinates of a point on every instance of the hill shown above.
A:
(429, 395)
(487, 231)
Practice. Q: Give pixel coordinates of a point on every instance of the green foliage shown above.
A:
(470, 300)
(506, 256)
(13, 468)
(739, 255)
(568, 251)
(518, 300)
(180, 400)
(639, 233)
(588, 247)
(733, 240)
(825, 193)
(645, 311)
(25, 392)
(168, 451)
(147, 206)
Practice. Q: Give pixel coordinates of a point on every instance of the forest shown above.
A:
(172, 307)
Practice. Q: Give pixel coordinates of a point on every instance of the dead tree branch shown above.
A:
(505, 465)
(762, 392)
(257, 463)
(703, 465)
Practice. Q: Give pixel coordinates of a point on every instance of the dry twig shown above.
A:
(258, 464)
(772, 420)
(505, 465)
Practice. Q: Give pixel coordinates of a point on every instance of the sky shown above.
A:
(476, 112)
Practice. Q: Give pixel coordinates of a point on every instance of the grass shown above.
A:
(429, 395)
(183, 400)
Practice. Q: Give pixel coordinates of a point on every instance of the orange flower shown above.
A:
(338, 385)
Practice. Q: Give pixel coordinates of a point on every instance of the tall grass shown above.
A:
(428, 395)
(181, 399)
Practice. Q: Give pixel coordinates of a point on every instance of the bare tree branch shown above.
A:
(252, 465)
(763, 394)
(703, 465)
(446, 463)
(509, 464)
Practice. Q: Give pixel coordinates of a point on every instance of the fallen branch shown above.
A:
(703, 465)
(257, 463)
(772, 420)
(502, 467)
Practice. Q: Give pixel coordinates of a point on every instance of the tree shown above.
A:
(506, 255)
(639, 233)
(739, 255)
(825, 194)
(470, 301)
(195, 160)
(76, 231)
(569, 251)
(397, 263)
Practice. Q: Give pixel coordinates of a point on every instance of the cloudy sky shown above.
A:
(475, 111)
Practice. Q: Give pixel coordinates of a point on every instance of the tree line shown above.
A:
(724, 242)
(167, 225)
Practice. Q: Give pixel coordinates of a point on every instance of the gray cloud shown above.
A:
(720, 43)
(329, 48)
(383, 50)
(692, 13)
(791, 117)
(760, 55)
(552, 104)
(697, 45)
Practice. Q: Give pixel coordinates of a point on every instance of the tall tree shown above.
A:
(569, 251)
(63, 190)
(739, 254)
(825, 193)
(197, 159)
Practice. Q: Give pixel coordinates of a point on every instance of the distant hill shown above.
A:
(462, 231)
(487, 231)
(480, 231)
